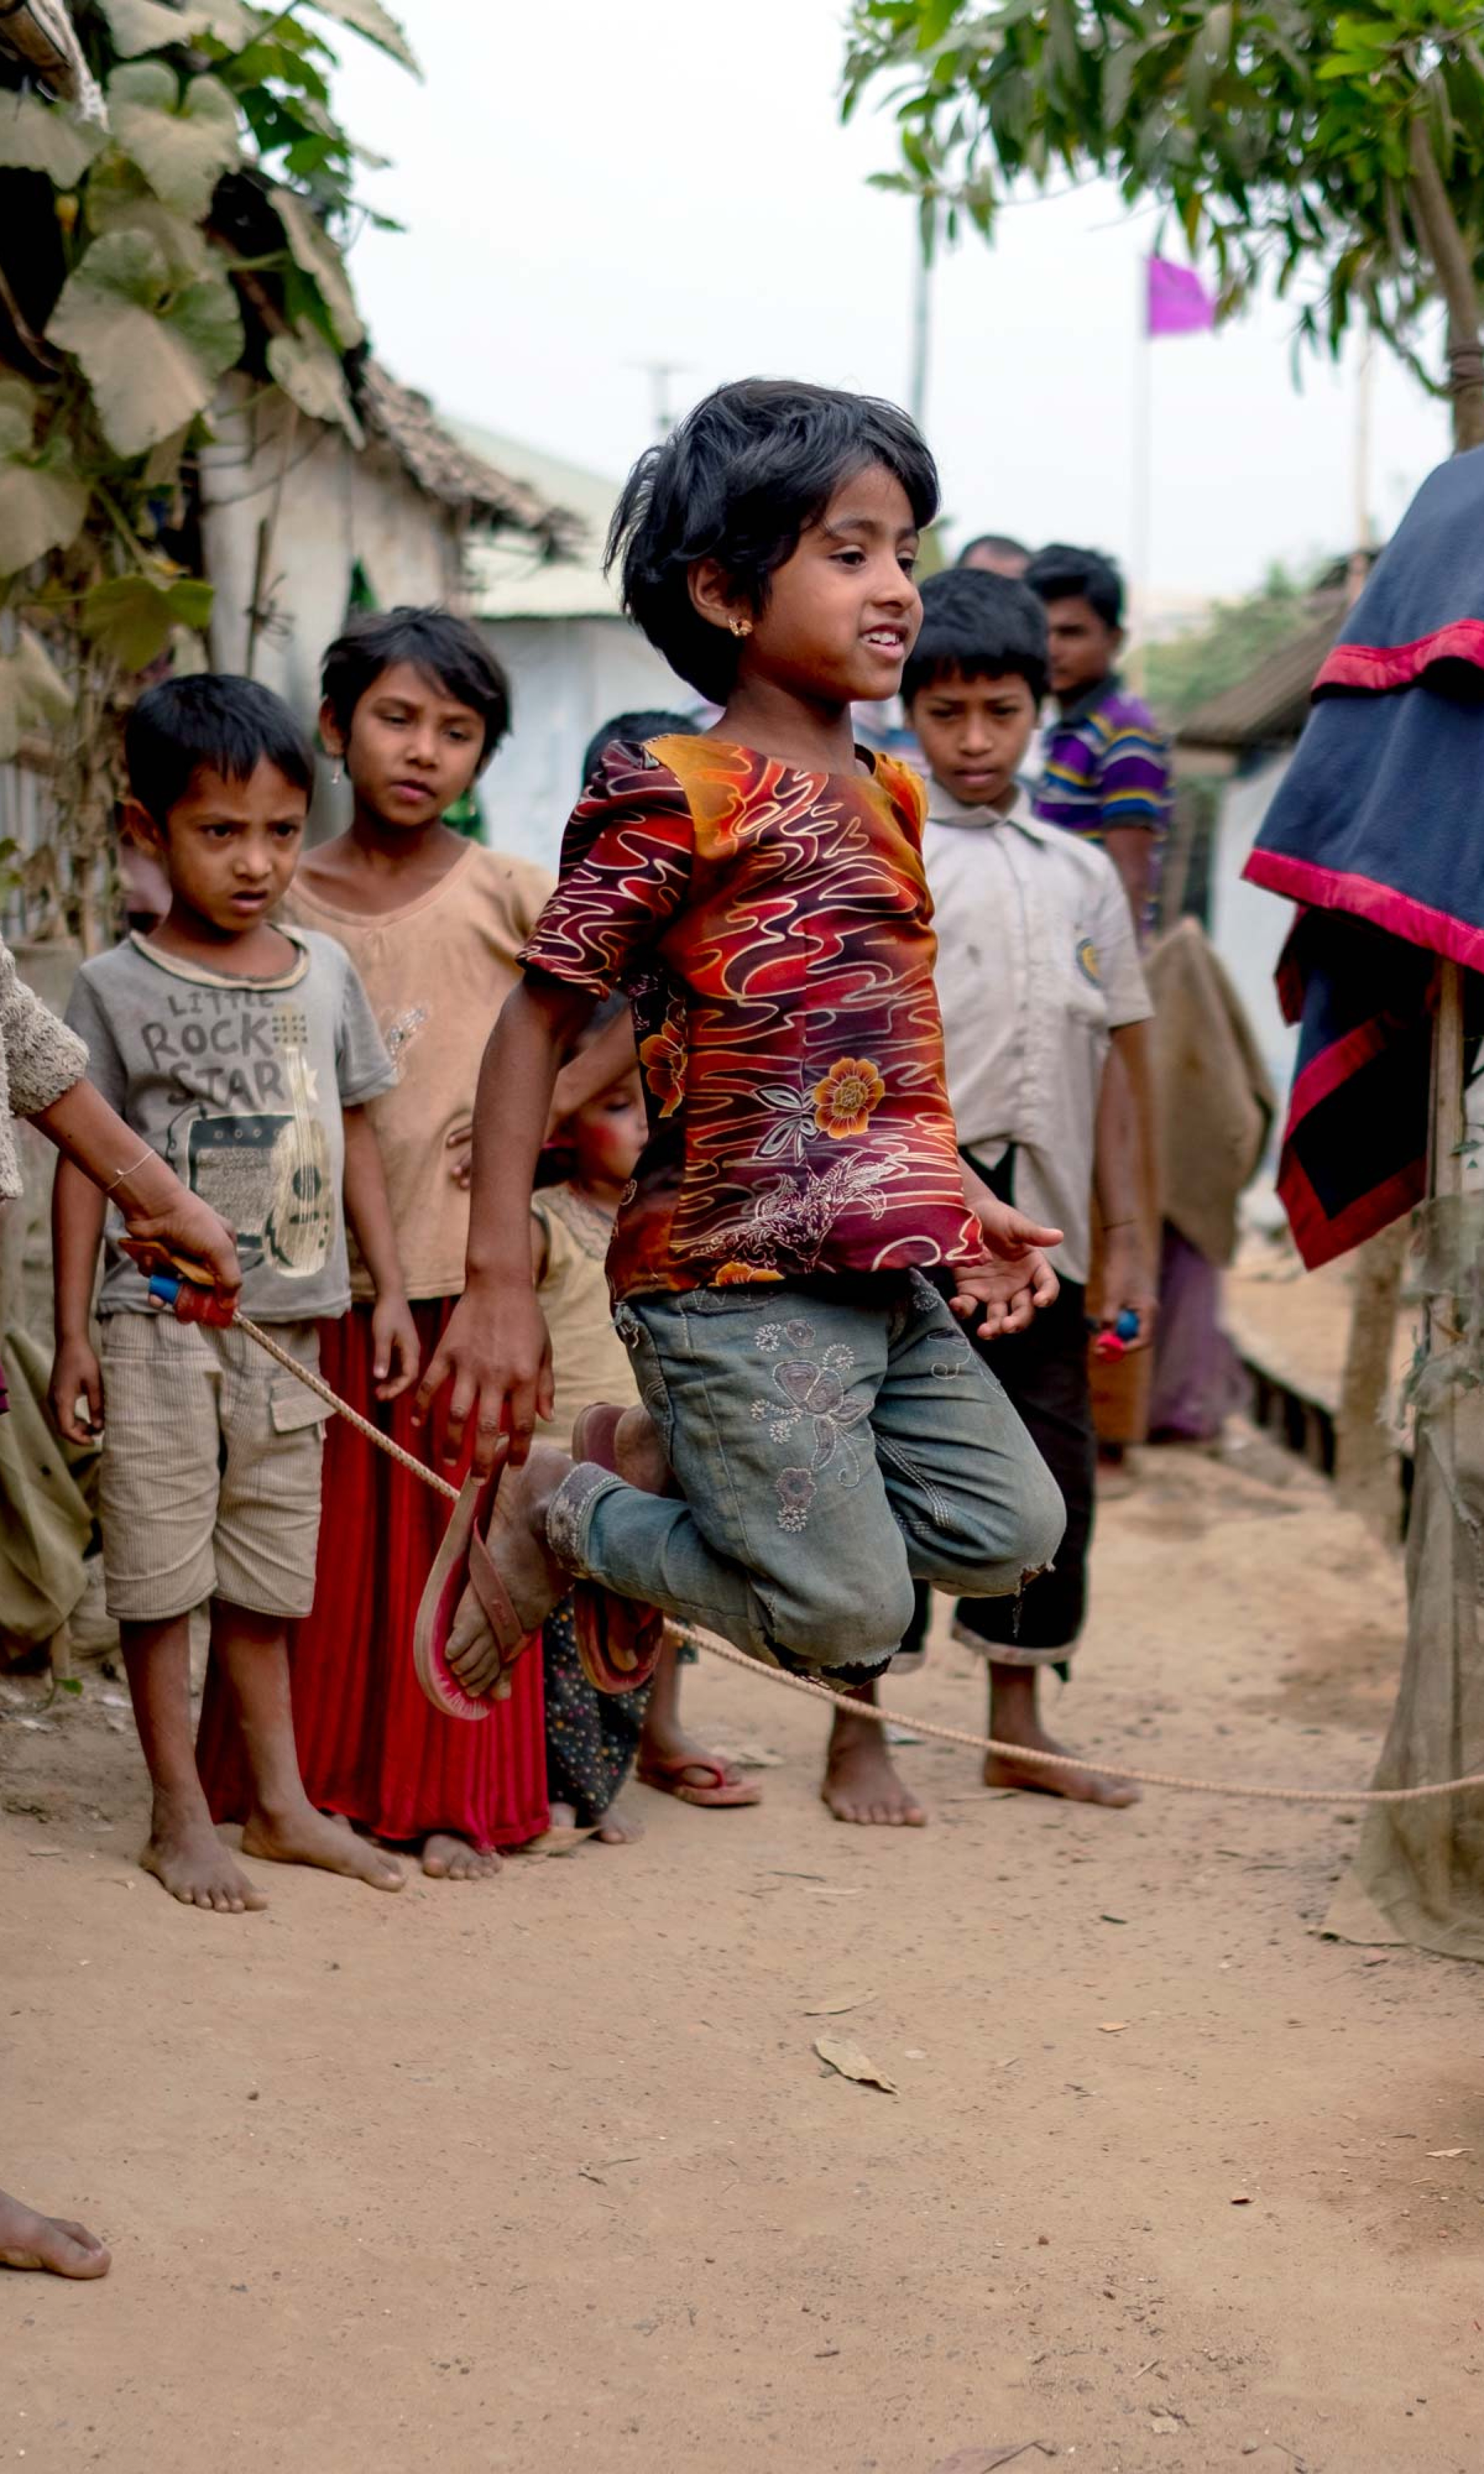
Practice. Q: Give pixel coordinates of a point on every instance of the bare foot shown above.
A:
(28, 2239)
(613, 1828)
(532, 1578)
(448, 1857)
(310, 1837)
(1078, 1786)
(616, 1829)
(862, 1782)
(189, 1860)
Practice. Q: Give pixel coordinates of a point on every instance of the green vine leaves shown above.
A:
(33, 696)
(44, 506)
(151, 353)
(182, 138)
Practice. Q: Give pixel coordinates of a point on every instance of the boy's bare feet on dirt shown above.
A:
(1013, 1719)
(861, 1782)
(448, 1858)
(29, 2240)
(301, 1835)
(534, 1580)
(1078, 1786)
(188, 1859)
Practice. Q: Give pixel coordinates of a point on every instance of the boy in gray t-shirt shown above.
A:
(243, 1053)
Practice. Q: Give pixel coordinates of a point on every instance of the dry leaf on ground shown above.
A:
(837, 2009)
(1433, 2151)
(1112, 2027)
(851, 2063)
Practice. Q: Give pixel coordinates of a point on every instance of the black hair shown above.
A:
(976, 625)
(449, 651)
(632, 728)
(1062, 573)
(209, 722)
(739, 481)
(1002, 546)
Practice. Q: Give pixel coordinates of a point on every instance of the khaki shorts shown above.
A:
(210, 1478)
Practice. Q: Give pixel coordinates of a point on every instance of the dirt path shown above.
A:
(543, 2174)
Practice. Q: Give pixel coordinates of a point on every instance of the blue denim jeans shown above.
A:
(833, 1441)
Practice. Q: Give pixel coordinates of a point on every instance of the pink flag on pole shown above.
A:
(1176, 302)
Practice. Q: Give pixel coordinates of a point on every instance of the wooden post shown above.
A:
(1444, 1155)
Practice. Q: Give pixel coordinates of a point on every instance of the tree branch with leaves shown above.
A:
(1338, 155)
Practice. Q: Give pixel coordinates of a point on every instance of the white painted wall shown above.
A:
(1248, 926)
(334, 506)
(567, 676)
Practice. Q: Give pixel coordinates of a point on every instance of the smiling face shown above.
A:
(229, 848)
(843, 611)
(413, 750)
(975, 734)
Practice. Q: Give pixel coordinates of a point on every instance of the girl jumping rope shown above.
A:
(825, 1431)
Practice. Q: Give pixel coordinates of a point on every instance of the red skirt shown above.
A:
(370, 1746)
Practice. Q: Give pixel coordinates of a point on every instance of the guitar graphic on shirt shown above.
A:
(300, 1225)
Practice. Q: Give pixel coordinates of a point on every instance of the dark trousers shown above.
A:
(1044, 1371)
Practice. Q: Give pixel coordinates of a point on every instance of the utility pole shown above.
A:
(659, 374)
(921, 335)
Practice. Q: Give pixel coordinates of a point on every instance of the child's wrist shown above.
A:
(495, 1274)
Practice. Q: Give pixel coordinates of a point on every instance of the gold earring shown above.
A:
(740, 627)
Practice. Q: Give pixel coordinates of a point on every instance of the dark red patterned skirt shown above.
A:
(370, 1746)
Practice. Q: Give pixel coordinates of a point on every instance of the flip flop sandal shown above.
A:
(464, 1562)
(725, 1794)
(618, 1641)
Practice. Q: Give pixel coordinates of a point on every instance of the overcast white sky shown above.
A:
(597, 184)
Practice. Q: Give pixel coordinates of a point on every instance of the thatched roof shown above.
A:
(452, 472)
(1268, 708)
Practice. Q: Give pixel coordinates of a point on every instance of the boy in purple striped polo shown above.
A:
(1105, 771)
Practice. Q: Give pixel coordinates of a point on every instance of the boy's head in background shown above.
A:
(415, 705)
(995, 554)
(975, 681)
(1082, 594)
(219, 777)
(633, 729)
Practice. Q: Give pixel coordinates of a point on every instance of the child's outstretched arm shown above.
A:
(157, 1207)
(495, 1351)
(393, 1333)
(1018, 1280)
(78, 1209)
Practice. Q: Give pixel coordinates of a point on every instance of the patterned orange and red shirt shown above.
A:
(772, 929)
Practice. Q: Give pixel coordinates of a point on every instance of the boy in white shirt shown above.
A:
(1038, 980)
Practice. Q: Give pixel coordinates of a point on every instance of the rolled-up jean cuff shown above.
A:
(570, 1515)
(1009, 1653)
